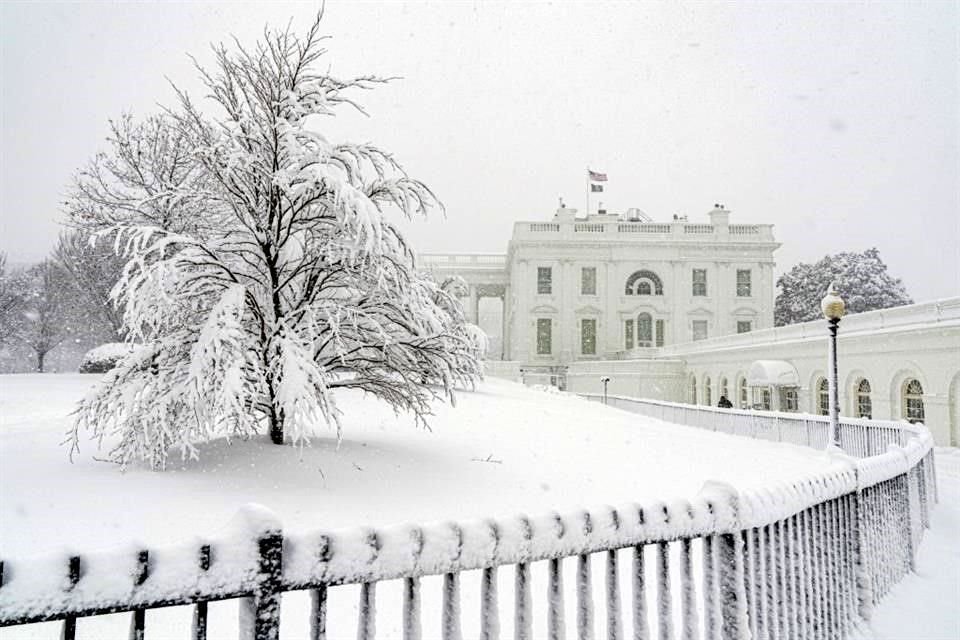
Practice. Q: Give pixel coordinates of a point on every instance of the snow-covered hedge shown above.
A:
(105, 357)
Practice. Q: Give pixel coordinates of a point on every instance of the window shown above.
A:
(723, 388)
(913, 401)
(628, 334)
(707, 399)
(693, 391)
(660, 333)
(864, 406)
(588, 281)
(644, 330)
(823, 397)
(544, 336)
(544, 280)
(743, 326)
(699, 282)
(699, 329)
(644, 283)
(743, 283)
(743, 393)
(588, 336)
(788, 399)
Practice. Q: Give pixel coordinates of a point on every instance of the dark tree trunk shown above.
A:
(40, 357)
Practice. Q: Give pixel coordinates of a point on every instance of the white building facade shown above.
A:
(683, 311)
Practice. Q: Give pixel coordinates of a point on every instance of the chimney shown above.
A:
(719, 218)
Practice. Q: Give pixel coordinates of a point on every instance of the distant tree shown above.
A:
(44, 318)
(10, 300)
(94, 269)
(861, 278)
(299, 283)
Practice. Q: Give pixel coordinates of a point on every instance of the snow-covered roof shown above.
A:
(772, 372)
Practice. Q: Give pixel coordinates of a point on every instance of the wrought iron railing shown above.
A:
(808, 559)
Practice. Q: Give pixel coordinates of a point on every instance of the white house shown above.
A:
(683, 311)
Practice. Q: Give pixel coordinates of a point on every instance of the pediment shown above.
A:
(544, 308)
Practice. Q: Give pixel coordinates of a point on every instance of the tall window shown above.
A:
(743, 326)
(693, 391)
(660, 326)
(699, 329)
(644, 330)
(743, 283)
(864, 406)
(544, 336)
(743, 393)
(544, 280)
(588, 281)
(628, 334)
(707, 398)
(588, 336)
(823, 397)
(723, 388)
(913, 401)
(699, 282)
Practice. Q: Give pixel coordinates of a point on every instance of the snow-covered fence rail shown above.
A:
(859, 437)
(802, 560)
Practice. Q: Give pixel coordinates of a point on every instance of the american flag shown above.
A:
(597, 177)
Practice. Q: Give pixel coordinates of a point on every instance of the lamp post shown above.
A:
(833, 307)
(605, 380)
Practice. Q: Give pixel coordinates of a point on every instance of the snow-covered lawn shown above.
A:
(504, 449)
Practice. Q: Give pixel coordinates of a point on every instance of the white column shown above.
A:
(505, 347)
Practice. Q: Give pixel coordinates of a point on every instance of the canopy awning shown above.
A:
(778, 373)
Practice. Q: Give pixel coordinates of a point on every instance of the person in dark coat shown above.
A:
(724, 403)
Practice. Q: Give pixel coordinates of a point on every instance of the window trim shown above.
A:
(698, 287)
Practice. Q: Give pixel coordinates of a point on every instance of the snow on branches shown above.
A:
(298, 282)
(861, 278)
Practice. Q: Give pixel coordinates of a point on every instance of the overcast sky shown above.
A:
(838, 123)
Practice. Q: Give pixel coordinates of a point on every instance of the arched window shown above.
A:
(823, 397)
(913, 400)
(644, 283)
(693, 390)
(707, 399)
(864, 406)
(724, 391)
(742, 391)
(644, 330)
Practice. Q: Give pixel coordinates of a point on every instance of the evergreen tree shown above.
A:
(861, 278)
(298, 282)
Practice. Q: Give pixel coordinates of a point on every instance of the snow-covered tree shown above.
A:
(299, 284)
(862, 281)
(147, 175)
(10, 300)
(44, 317)
(93, 268)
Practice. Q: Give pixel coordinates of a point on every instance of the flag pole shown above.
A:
(588, 191)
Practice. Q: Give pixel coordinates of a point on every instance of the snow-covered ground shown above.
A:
(504, 449)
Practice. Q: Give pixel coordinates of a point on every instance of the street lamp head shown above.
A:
(832, 304)
(605, 379)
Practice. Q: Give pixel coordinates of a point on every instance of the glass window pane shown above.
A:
(699, 329)
(544, 337)
(699, 282)
(588, 336)
(544, 280)
(644, 330)
(743, 326)
(743, 283)
(660, 337)
(588, 281)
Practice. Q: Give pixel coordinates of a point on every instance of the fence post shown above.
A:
(864, 580)
(260, 611)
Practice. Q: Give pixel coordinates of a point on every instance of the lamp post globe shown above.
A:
(832, 304)
(833, 308)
